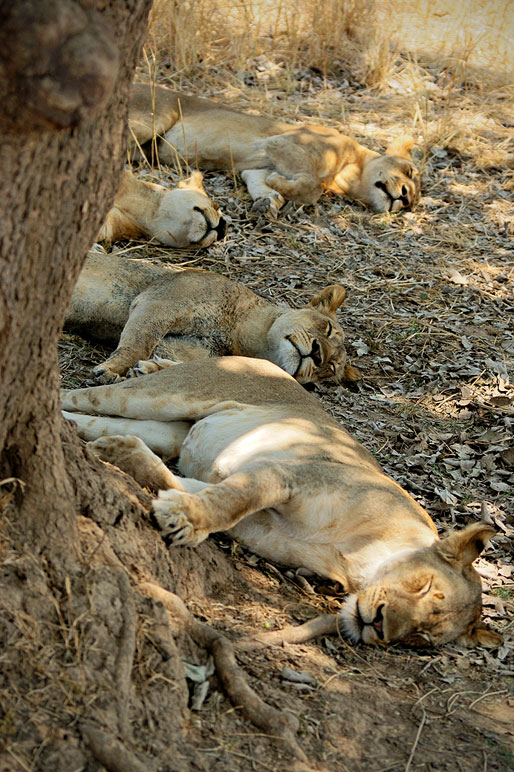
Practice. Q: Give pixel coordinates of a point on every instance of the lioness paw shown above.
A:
(116, 448)
(268, 206)
(181, 517)
(104, 374)
(145, 366)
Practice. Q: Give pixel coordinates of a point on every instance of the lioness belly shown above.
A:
(225, 442)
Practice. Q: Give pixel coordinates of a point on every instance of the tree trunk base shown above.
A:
(93, 645)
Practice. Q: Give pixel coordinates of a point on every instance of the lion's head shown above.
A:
(308, 343)
(389, 182)
(187, 217)
(427, 597)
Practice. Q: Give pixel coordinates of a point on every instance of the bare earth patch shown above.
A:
(429, 324)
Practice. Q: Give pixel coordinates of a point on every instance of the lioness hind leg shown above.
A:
(153, 110)
(135, 458)
(164, 437)
(266, 200)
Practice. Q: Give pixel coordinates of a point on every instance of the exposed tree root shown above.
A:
(283, 726)
(125, 656)
(111, 753)
(326, 624)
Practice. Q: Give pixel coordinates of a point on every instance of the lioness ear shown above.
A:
(480, 635)
(194, 182)
(401, 146)
(466, 545)
(329, 300)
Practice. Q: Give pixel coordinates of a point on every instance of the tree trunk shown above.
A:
(65, 71)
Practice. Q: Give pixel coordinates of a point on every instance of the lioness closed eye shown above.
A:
(181, 217)
(263, 460)
(277, 161)
(180, 315)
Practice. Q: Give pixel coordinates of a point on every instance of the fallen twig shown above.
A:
(416, 740)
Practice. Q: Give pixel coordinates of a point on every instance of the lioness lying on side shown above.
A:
(277, 161)
(263, 460)
(180, 315)
(181, 217)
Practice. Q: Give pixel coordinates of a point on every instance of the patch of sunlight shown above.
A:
(481, 30)
(468, 121)
(501, 213)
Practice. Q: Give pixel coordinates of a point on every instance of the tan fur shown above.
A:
(264, 461)
(276, 160)
(181, 217)
(180, 315)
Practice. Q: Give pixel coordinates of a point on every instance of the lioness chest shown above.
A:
(325, 489)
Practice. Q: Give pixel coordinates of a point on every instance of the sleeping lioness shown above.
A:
(181, 217)
(179, 315)
(263, 461)
(277, 161)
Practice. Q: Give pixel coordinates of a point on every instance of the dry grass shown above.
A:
(363, 35)
(216, 33)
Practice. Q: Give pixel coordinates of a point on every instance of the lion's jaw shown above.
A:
(308, 345)
(187, 218)
(423, 597)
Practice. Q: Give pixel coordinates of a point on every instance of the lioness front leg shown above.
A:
(145, 327)
(301, 188)
(188, 519)
(266, 201)
(173, 352)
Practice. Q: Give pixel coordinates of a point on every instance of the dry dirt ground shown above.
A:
(429, 322)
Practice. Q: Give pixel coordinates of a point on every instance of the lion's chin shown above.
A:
(349, 620)
(288, 358)
(352, 626)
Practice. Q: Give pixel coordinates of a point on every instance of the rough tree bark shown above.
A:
(65, 69)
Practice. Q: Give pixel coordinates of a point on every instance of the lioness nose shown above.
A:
(316, 353)
(221, 228)
(378, 622)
